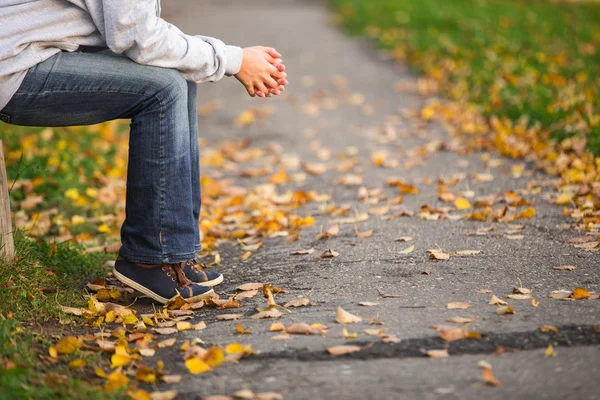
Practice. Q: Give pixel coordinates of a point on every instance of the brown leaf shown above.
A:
(301, 328)
(467, 252)
(565, 268)
(250, 286)
(229, 317)
(437, 353)
(363, 235)
(314, 168)
(273, 313)
(165, 331)
(518, 296)
(460, 320)
(343, 349)
(303, 252)
(166, 395)
(167, 343)
(276, 327)
(488, 377)
(458, 305)
(504, 310)
(368, 304)
(560, 294)
(328, 254)
(549, 328)
(344, 317)
(268, 396)
(299, 302)
(495, 301)
(245, 295)
(451, 334)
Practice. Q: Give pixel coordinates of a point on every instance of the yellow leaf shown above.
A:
(245, 118)
(130, 319)
(53, 352)
(100, 373)
(276, 327)
(110, 316)
(234, 348)
(550, 351)
(118, 360)
(437, 353)
(348, 335)
(68, 345)
(184, 326)
(214, 357)
(462, 204)
(139, 394)
(79, 363)
(527, 214)
(580, 293)
(197, 366)
(115, 381)
(148, 321)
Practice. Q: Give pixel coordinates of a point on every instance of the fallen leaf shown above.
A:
(580, 294)
(184, 326)
(363, 235)
(167, 343)
(172, 378)
(483, 291)
(518, 296)
(458, 305)
(164, 331)
(565, 268)
(283, 336)
(276, 327)
(303, 252)
(165, 395)
(314, 168)
(328, 254)
(462, 204)
(250, 286)
(488, 377)
(214, 357)
(468, 252)
(343, 349)
(229, 317)
(268, 396)
(560, 294)
(299, 302)
(273, 313)
(241, 330)
(301, 328)
(68, 345)
(245, 295)
(460, 320)
(549, 328)
(368, 304)
(408, 250)
(404, 239)
(437, 353)
(245, 394)
(344, 317)
(348, 335)
(504, 310)
(197, 366)
(439, 255)
(496, 301)
(550, 351)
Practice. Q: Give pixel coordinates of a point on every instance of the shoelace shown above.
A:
(180, 278)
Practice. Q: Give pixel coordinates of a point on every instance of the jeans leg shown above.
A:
(195, 158)
(84, 88)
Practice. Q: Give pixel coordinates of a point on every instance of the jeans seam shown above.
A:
(154, 259)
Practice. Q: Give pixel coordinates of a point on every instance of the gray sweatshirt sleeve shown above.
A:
(132, 28)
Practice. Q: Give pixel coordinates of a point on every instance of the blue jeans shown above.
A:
(163, 176)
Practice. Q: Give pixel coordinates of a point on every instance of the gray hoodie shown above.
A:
(32, 31)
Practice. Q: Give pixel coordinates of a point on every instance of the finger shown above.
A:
(271, 51)
(275, 92)
(270, 83)
(278, 75)
(283, 82)
(280, 67)
(272, 60)
(250, 90)
(260, 86)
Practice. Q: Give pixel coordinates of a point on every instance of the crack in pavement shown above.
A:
(491, 342)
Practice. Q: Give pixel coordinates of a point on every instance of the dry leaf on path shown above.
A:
(518, 296)
(328, 254)
(580, 294)
(408, 250)
(344, 317)
(458, 305)
(560, 294)
(467, 252)
(437, 353)
(301, 328)
(505, 310)
(250, 286)
(166, 395)
(343, 349)
(549, 328)
(496, 301)
(276, 327)
(283, 336)
(245, 295)
(460, 320)
(488, 377)
(299, 302)
(303, 252)
(565, 268)
(229, 317)
(273, 313)
(368, 304)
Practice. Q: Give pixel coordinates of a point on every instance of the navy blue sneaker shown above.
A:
(160, 282)
(205, 277)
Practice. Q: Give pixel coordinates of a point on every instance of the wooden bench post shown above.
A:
(7, 246)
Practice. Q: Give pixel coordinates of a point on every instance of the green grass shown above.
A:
(513, 58)
(44, 275)
(23, 376)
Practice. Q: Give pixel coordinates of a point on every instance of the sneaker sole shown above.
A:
(134, 285)
(212, 283)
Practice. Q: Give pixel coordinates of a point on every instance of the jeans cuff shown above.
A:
(161, 259)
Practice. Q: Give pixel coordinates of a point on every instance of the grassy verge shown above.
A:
(533, 60)
(66, 190)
